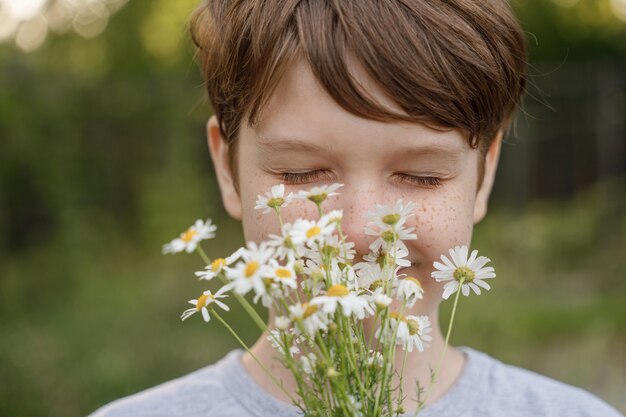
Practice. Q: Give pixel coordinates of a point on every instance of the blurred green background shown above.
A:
(103, 159)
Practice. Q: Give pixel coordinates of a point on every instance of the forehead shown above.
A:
(300, 115)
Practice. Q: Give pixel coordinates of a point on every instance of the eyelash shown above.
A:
(296, 178)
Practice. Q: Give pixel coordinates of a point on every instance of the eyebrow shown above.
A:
(278, 145)
(271, 145)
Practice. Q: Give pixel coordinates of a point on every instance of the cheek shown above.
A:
(442, 222)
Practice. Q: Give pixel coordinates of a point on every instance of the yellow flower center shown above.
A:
(275, 202)
(338, 290)
(396, 315)
(464, 273)
(318, 198)
(201, 301)
(309, 310)
(217, 264)
(251, 268)
(188, 235)
(391, 219)
(283, 273)
(388, 235)
(313, 231)
(414, 326)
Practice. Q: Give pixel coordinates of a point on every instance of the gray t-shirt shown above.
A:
(485, 388)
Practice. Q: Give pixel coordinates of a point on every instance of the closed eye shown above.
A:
(296, 178)
(425, 181)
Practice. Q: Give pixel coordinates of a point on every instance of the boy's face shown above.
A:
(302, 130)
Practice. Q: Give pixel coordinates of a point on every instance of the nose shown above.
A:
(356, 201)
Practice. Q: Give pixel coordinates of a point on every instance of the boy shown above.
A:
(396, 99)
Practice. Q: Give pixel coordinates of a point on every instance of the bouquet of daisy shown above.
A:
(338, 325)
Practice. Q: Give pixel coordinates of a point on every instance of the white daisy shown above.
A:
(409, 290)
(309, 317)
(249, 272)
(189, 239)
(218, 264)
(284, 243)
(471, 272)
(394, 216)
(387, 236)
(311, 232)
(400, 253)
(206, 299)
(369, 275)
(283, 276)
(381, 301)
(340, 295)
(335, 248)
(335, 215)
(274, 199)
(418, 329)
(320, 193)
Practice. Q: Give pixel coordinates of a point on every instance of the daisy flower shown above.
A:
(387, 236)
(309, 232)
(284, 244)
(340, 295)
(334, 216)
(274, 199)
(381, 301)
(319, 194)
(218, 264)
(459, 270)
(282, 275)
(418, 329)
(369, 275)
(378, 256)
(189, 239)
(249, 272)
(205, 300)
(334, 247)
(394, 216)
(409, 290)
(309, 317)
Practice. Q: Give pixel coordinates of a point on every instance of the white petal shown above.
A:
(465, 290)
(449, 289)
(472, 257)
(475, 288)
(205, 315)
(482, 284)
(479, 263)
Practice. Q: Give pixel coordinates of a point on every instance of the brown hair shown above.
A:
(447, 63)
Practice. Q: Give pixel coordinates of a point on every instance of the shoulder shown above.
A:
(521, 392)
(199, 393)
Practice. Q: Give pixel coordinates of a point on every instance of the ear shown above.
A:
(223, 173)
(491, 165)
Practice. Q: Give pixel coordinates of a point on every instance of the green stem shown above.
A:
(244, 303)
(443, 351)
(241, 342)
